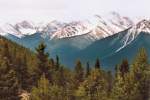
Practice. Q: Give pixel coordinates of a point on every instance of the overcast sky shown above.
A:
(67, 10)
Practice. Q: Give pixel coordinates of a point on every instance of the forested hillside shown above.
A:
(35, 76)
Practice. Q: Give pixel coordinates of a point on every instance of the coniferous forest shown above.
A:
(28, 75)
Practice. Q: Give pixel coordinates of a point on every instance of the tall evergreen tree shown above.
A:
(57, 65)
(97, 64)
(79, 72)
(140, 71)
(118, 91)
(87, 69)
(43, 67)
(124, 67)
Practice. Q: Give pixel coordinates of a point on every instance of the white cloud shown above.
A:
(13, 10)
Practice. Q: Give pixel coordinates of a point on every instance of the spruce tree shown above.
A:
(140, 71)
(118, 91)
(57, 65)
(87, 69)
(79, 73)
(97, 64)
(42, 57)
(124, 67)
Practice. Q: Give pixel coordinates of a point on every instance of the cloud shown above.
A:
(70, 9)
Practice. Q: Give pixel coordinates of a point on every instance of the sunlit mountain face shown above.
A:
(98, 27)
(110, 38)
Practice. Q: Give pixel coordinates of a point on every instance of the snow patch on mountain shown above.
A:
(50, 28)
(142, 26)
(72, 29)
(19, 29)
(111, 24)
(96, 28)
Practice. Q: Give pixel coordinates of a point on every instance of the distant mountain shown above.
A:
(142, 26)
(97, 28)
(125, 44)
(111, 24)
(19, 29)
(109, 38)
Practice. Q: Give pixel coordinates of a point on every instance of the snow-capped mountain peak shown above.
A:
(19, 29)
(134, 31)
(111, 24)
(101, 27)
(25, 28)
(143, 26)
(72, 29)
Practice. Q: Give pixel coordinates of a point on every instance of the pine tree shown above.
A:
(79, 73)
(97, 64)
(135, 84)
(42, 57)
(140, 71)
(124, 67)
(87, 69)
(118, 91)
(57, 63)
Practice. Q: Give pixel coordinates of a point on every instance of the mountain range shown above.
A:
(110, 38)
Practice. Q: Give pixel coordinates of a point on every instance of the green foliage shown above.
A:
(42, 60)
(118, 92)
(42, 91)
(8, 82)
(47, 91)
(124, 67)
(135, 84)
(140, 71)
(79, 73)
(87, 70)
(57, 65)
(45, 78)
(94, 88)
(22, 72)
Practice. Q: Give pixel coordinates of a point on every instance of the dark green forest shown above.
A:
(28, 75)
